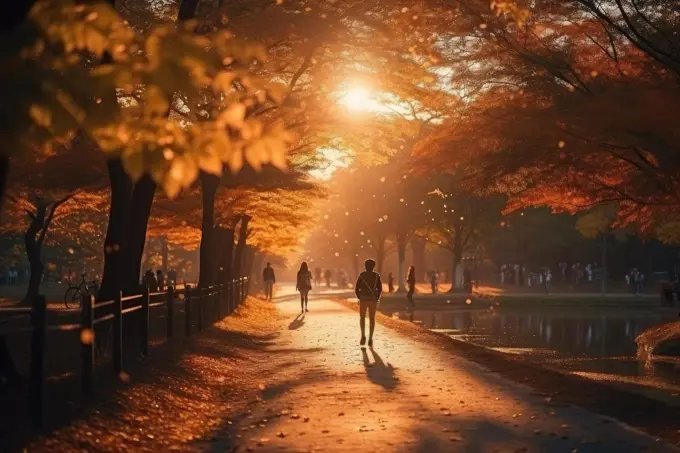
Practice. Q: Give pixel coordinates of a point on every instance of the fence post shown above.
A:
(37, 376)
(87, 344)
(247, 287)
(170, 301)
(201, 307)
(187, 309)
(118, 334)
(144, 320)
(240, 292)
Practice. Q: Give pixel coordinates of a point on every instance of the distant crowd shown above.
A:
(13, 276)
(576, 274)
(158, 281)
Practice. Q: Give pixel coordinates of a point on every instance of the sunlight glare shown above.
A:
(357, 98)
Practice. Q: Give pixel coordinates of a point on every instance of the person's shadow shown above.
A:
(297, 322)
(378, 372)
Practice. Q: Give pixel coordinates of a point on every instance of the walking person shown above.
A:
(150, 281)
(467, 279)
(304, 285)
(269, 279)
(433, 282)
(368, 290)
(546, 281)
(327, 275)
(637, 284)
(411, 282)
(641, 282)
(390, 282)
(563, 270)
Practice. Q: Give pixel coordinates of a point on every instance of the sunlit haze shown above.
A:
(259, 226)
(360, 99)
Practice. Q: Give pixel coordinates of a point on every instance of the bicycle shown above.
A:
(74, 293)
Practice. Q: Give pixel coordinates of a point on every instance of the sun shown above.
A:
(357, 98)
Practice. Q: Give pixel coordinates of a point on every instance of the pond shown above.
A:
(598, 343)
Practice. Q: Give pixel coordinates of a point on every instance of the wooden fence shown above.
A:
(202, 305)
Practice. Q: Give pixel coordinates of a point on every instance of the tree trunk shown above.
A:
(240, 247)
(217, 250)
(257, 266)
(455, 261)
(380, 253)
(121, 190)
(401, 252)
(36, 275)
(248, 261)
(227, 255)
(140, 210)
(380, 258)
(187, 10)
(418, 247)
(209, 184)
(33, 254)
(604, 263)
(457, 256)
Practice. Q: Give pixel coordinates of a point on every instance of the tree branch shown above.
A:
(48, 221)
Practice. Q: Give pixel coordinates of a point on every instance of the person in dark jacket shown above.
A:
(269, 279)
(368, 290)
(150, 281)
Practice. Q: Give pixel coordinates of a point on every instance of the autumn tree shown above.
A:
(457, 217)
(48, 190)
(568, 107)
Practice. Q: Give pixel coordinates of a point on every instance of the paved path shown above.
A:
(403, 396)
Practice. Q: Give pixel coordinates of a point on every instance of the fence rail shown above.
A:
(209, 303)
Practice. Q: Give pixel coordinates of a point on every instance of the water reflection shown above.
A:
(595, 343)
(566, 332)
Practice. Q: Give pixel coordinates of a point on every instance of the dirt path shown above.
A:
(403, 396)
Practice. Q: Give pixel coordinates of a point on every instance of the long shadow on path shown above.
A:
(379, 372)
(298, 322)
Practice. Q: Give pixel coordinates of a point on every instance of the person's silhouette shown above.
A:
(304, 285)
(368, 290)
